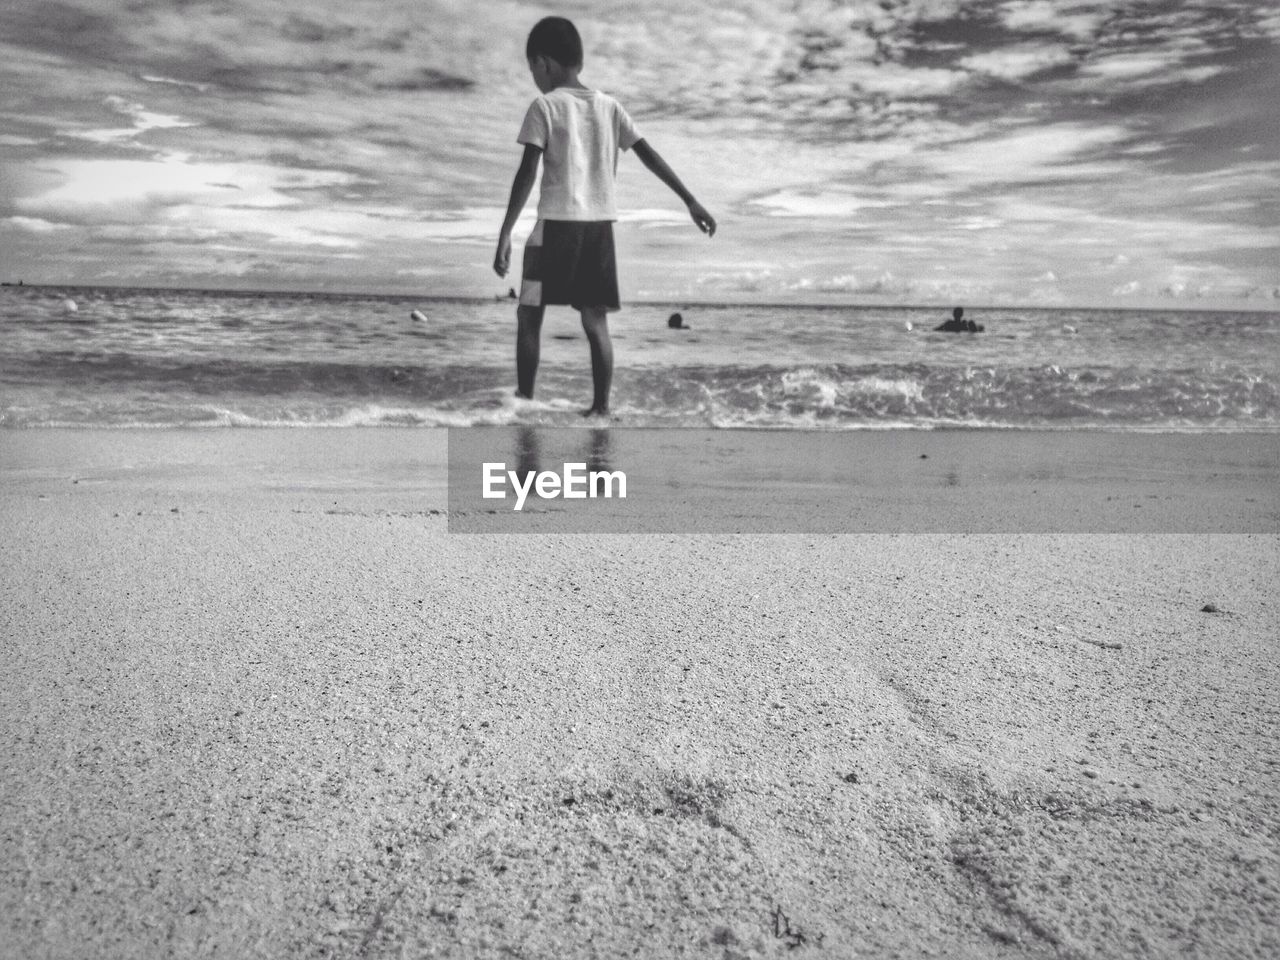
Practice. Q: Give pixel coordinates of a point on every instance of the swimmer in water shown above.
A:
(957, 323)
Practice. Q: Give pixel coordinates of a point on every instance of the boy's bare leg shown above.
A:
(595, 322)
(528, 348)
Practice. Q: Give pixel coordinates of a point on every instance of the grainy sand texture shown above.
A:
(257, 703)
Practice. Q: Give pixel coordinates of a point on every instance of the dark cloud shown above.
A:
(306, 30)
(846, 69)
(65, 31)
(392, 42)
(426, 78)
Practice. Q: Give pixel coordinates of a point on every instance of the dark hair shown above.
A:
(557, 38)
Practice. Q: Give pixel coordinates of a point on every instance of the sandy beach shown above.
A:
(258, 702)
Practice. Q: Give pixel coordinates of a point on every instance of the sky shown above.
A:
(1016, 152)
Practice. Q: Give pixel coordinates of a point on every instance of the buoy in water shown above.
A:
(419, 316)
(70, 305)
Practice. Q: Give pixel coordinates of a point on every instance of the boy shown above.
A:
(569, 257)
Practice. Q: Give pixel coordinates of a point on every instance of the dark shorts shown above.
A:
(570, 262)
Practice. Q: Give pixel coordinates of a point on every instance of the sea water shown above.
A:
(133, 357)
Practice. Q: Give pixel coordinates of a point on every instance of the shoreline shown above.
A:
(708, 481)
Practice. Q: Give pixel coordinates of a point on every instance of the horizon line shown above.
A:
(686, 304)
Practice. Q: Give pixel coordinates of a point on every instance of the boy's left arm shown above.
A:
(650, 158)
(521, 187)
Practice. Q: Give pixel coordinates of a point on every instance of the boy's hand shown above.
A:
(706, 223)
(502, 259)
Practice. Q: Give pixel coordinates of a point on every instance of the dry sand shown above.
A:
(256, 702)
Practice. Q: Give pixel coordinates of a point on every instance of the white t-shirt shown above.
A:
(580, 132)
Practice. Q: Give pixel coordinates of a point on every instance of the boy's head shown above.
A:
(957, 313)
(556, 38)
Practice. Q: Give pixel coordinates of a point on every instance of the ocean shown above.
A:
(187, 358)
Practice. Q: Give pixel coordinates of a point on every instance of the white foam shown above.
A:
(910, 389)
(797, 383)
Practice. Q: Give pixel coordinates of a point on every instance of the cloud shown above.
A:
(811, 204)
(1078, 21)
(884, 283)
(654, 217)
(424, 78)
(952, 142)
(762, 280)
(1146, 69)
(201, 87)
(35, 224)
(126, 189)
(143, 120)
(65, 30)
(1057, 152)
(1018, 62)
(901, 82)
(887, 286)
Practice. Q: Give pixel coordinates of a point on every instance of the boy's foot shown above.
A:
(596, 412)
(523, 396)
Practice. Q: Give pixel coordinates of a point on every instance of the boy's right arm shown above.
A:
(658, 167)
(521, 187)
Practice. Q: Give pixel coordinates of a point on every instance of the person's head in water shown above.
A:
(957, 313)
(554, 52)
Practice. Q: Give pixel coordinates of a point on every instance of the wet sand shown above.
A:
(259, 703)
